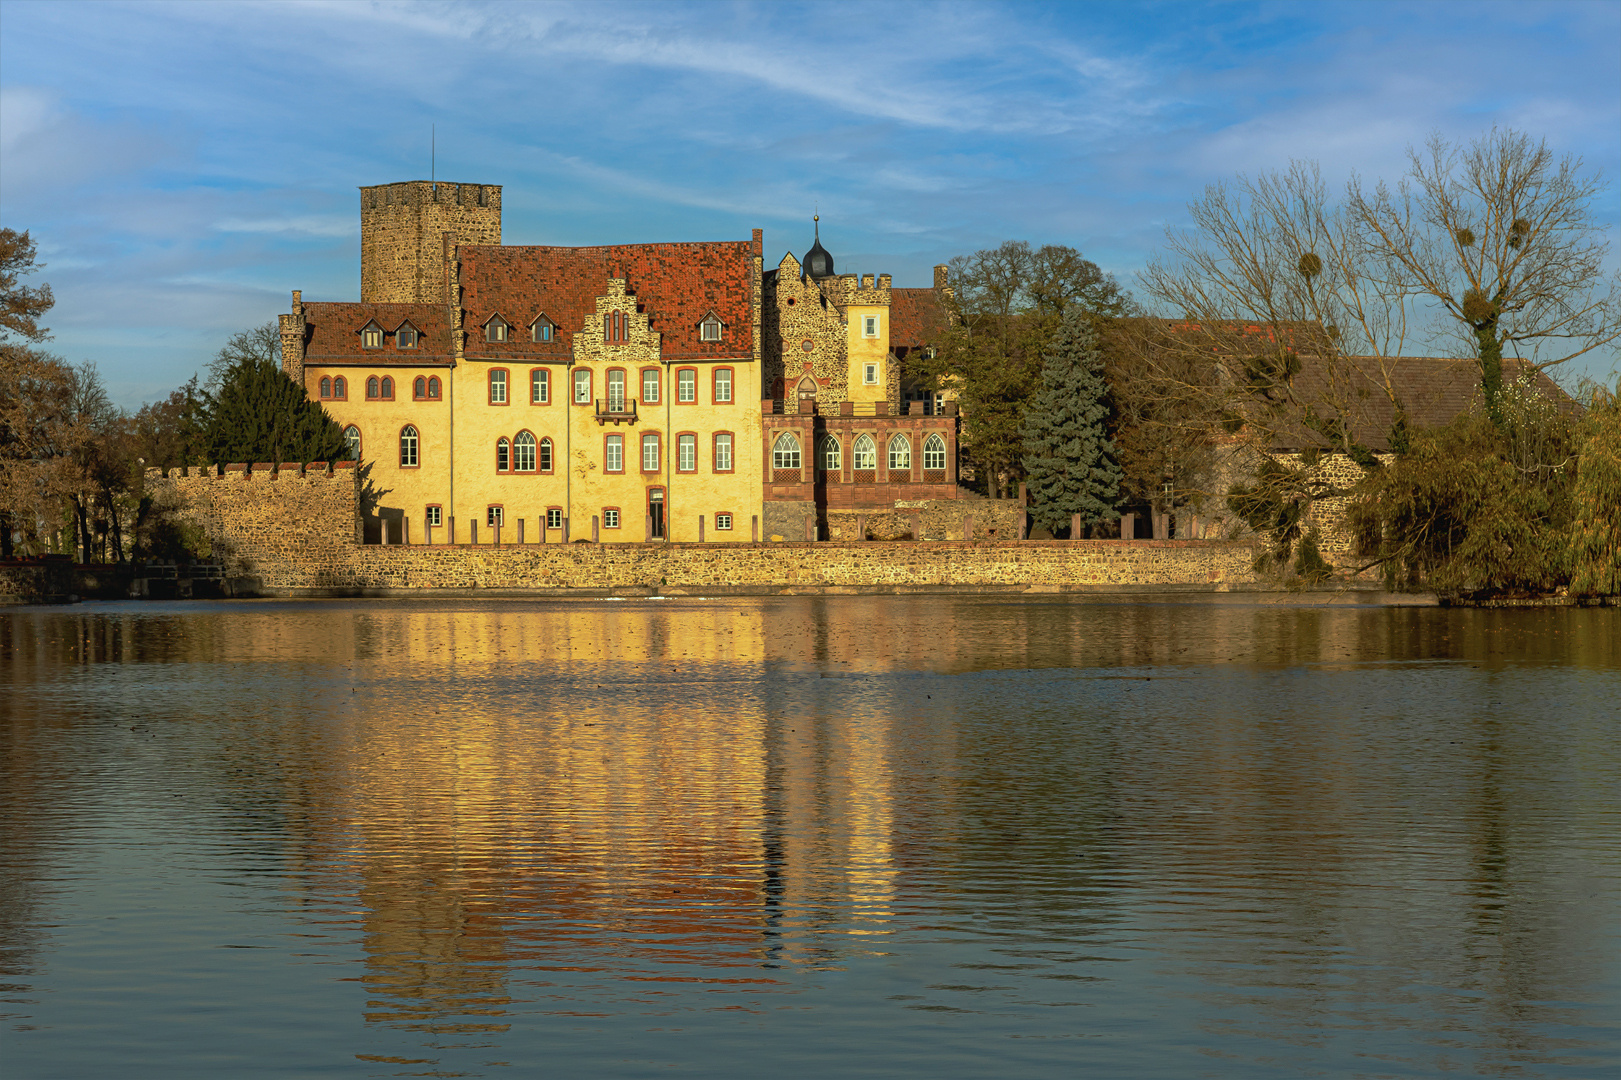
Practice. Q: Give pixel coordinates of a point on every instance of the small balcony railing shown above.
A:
(616, 412)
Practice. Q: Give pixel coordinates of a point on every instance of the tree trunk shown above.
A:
(1491, 370)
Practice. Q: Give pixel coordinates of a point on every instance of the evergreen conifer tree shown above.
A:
(259, 414)
(1069, 459)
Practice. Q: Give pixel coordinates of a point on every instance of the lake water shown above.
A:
(808, 837)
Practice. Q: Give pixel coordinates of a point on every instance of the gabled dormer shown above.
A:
(542, 330)
(497, 330)
(407, 336)
(371, 335)
(710, 327)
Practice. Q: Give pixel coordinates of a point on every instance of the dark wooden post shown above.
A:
(917, 526)
(861, 526)
(474, 522)
(497, 540)
(700, 528)
(1128, 526)
(594, 537)
(1076, 529)
(520, 531)
(810, 527)
(756, 520)
(565, 530)
(384, 523)
(452, 530)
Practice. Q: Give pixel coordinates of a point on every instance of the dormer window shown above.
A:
(371, 336)
(496, 329)
(709, 329)
(406, 337)
(542, 330)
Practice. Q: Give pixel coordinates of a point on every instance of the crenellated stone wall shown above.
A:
(296, 531)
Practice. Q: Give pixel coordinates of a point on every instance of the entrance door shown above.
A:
(655, 514)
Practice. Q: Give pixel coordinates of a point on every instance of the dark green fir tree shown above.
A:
(259, 414)
(1069, 459)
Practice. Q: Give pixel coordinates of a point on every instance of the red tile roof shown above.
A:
(675, 284)
(915, 318)
(1434, 391)
(334, 333)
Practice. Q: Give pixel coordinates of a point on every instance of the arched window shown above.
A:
(523, 452)
(373, 388)
(387, 392)
(785, 452)
(503, 456)
(340, 388)
(433, 388)
(900, 453)
(934, 453)
(326, 387)
(864, 455)
(351, 443)
(419, 389)
(831, 457)
(408, 447)
(545, 455)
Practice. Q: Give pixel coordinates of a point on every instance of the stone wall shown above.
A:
(402, 258)
(940, 519)
(295, 531)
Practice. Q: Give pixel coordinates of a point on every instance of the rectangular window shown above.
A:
(613, 454)
(405, 338)
(371, 338)
(498, 387)
(616, 391)
(540, 387)
(610, 517)
(541, 330)
(686, 452)
(650, 453)
(582, 387)
(723, 385)
(554, 517)
(723, 452)
(869, 326)
(869, 374)
(650, 386)
(723, 522)
(709, 330)
(433, 517)
(493, 516)
(686, 385)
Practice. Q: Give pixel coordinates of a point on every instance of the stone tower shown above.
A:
(402, 252)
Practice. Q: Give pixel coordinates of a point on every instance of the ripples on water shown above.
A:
(852, 836)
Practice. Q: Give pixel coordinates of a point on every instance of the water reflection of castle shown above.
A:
(630, 794)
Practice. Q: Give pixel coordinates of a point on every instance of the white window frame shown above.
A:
(610, 517)
(832, 455)
(540, 387)
(786, 451)
(869, 326)
(869, 374)
(408, 446)
(613, 454)
(686, 385)
(554, 517)
(652, 379)
(351, 442)
(900, 453)
(723, 452)
(709, 329)
(686, 453)
(723, 386)
(934, 449)
(723, 523)
(864, 443)
(494, 515)
(616, 390)
(498, 387)
(650, 452)
(433, 516)
(523, 450)
(582, 386)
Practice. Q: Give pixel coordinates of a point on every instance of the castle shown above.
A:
(634, 392)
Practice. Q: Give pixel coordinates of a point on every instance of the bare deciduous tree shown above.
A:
(1500, 235)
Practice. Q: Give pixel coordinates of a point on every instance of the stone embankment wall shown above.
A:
(297, 532)
(939, 519)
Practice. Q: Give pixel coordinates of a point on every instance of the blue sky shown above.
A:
(183, 166)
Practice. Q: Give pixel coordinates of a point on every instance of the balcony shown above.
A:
(616, 412)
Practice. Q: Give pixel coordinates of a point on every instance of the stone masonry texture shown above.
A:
(296, 531)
